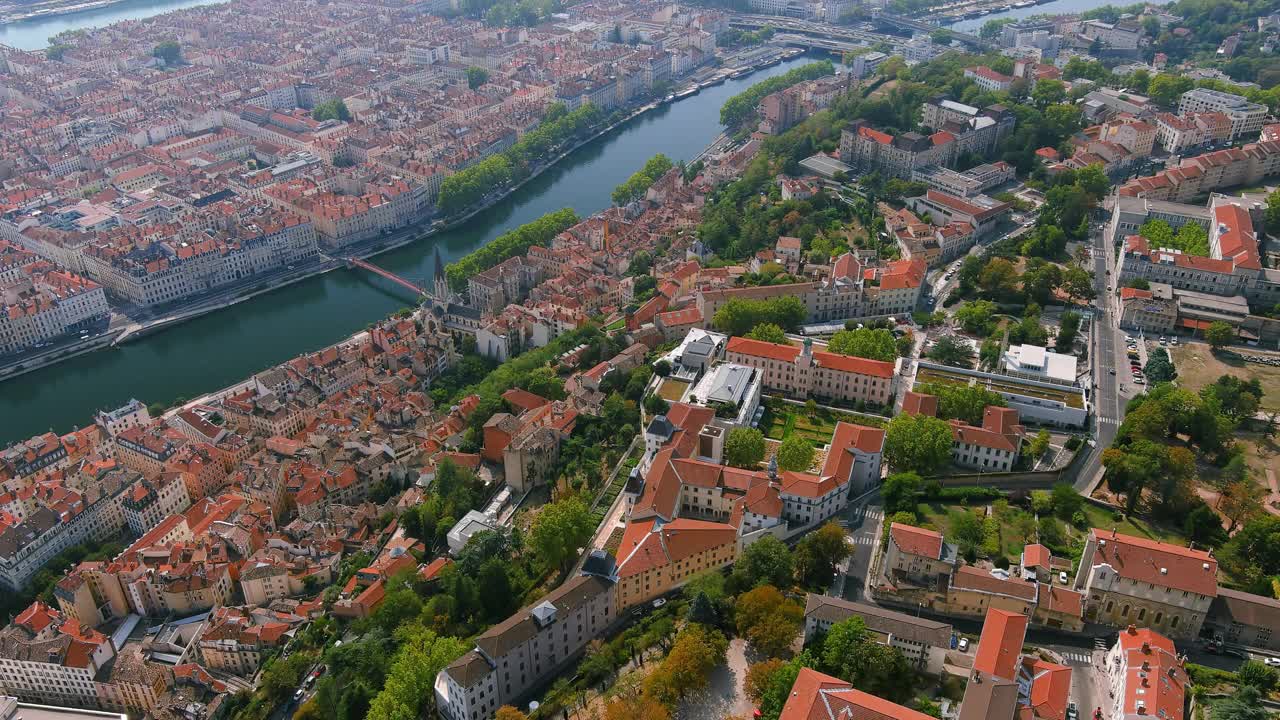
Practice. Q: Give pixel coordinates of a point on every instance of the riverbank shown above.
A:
(214, 350)
(370, 249)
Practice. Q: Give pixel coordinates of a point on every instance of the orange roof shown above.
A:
(1035, 556)
(852, 364)
(1001, 643)
(760, 348)
(917, 541)
(914, 403)
(1128, 292)
(1157, 563)
(847, 438)
(648, 544)
(815, 696)
(1050, 688)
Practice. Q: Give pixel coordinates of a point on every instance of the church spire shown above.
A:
(441, 282)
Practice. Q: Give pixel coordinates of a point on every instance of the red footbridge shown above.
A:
(364, 265)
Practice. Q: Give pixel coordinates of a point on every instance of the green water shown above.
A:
(219, 349)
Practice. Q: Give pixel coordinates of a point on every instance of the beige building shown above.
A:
(920, 639)
(1128, 580)
(804, 372)
(526, 649)
(917, 556)
(656, 557)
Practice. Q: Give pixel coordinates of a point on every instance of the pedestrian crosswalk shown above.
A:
(1077, 656)
(1108, 421)
(872, 513)
(863, 540)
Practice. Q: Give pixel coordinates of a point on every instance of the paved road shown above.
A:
(1108, 357)
(861, 521)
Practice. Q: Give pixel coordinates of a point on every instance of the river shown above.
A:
(221, 348)
(1058, 7)
(34, 34)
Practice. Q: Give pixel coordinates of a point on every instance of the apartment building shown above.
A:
(917, 556)
(921, 640)
(992, 447)
(656, 557)
(1246, 118)
(1233, 266)
(1145, 676)
(526, 649)
(45, 304)
(1005, 684)
(47, 658)
(1128, 580)
(988, 79)
(149, 501)
(1180, 133)
(806, 372)
(235, 638)
(980, 212)
(1197, 176)
(1151, 311)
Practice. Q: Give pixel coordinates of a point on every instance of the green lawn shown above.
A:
(672, 389)
(1102, 518)
(783, 419)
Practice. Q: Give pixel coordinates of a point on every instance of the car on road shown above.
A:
(1112, 371)
(1072, 712)
(1271, 661)
(963, 646)
(659, 603)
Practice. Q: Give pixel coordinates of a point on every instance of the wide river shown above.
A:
(221, 348)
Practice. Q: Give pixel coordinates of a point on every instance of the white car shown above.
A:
(1062, 578)
(963, 645)
(1271, 661)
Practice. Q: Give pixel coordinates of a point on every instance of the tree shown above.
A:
(818, 553)
(899, 491)
(768, 620)
(506, 712)
(950, 350)
(1254, 551)
(1256, 674)
(1272, 213)
(1048, 92)
(1240, 501)
(876, 344)
(758, 678)
(1158, 368)
(738, 317)
(696, 651)
(476, 76)
(962, 402)
(977, 317)
(1068, 328)
(636, 708)
(1040, 443)
(918, 442)
(559, 530)
(1204, 527)
(168, 51)
(331, 110)
(1244, 704)
(636, 185)
(702, 610)
(1219, 334)
(768, 332)
(999, 278)
(966, 528)
(850, 652)
(1078, 282)
(795, 453)
(766, 561)
(1066, 501)
(744, 447)
(407, 693)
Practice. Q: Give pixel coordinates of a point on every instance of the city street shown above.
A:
(1107, 352)
(861, 521)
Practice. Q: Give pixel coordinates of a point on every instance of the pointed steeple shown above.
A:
(441, 284)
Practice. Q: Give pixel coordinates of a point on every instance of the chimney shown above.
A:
(1146, 648)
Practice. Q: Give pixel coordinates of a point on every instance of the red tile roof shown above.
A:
(1050, 688)
(917, 541)
(856, 365)
(815, 696)
(1000, 645)
(1157, 563)
(760, 348)
(914, 403)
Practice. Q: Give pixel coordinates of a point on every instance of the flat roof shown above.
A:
(825, 165)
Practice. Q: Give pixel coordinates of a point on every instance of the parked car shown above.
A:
(1062, 577)
(964, 644)
(1273, 662)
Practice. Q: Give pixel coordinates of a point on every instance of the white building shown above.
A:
(1038, 363)
(1246, 118)
(130, 415)
(1145, 676)
(470, 524)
